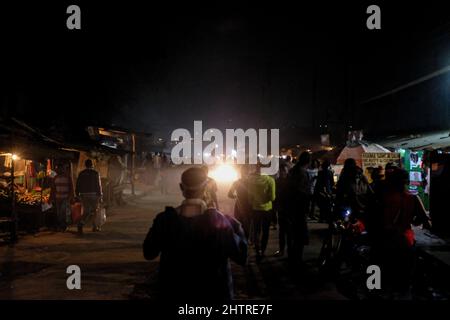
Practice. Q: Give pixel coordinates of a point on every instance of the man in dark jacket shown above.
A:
(89, 189)
(323, 191)
(242, 208)
(282, 185)
(297, 208)
(195, 243)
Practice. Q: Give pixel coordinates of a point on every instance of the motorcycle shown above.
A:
(346, 242)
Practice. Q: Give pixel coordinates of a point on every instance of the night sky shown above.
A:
(155, 68)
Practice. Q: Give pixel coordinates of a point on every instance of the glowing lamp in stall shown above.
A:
(224, 173)
(15, 157)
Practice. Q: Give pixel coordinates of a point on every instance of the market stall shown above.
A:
(356, 152)
(27, 163)
(29, 204)
(368, 156)
(416, 152)
(372, 160)
(27, 166)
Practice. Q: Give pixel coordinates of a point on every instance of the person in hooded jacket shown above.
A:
(195, 244)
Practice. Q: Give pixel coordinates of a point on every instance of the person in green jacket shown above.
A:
(261, 190)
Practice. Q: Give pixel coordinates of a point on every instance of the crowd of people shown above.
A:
(286, 200)
(196, 240)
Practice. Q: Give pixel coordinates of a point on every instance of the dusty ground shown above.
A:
(113, 267)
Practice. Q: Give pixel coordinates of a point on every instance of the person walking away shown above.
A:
(400, 210)
(313, 171)
(261, 194)
(164, 182)
(115, 177)
(242, 209)
(61, 195)
(281, 186)
(165, 161)
(89, 190)
(377, 179)
(323, 191)
(157, 169)
(195, 244)
(149, 171)
(299, 190)
(353, 191)
(211, 190)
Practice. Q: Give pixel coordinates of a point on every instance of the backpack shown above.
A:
(361, 186)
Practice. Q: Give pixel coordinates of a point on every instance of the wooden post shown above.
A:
(133, 159)
(14, 219)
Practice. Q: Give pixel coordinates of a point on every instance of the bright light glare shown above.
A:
(224, 173)
(15, 157)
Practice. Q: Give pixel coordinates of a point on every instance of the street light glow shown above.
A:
(224, 173)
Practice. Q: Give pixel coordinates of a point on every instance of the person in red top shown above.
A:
(61, 195)
(400, 210)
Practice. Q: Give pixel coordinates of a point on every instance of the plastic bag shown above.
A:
(100, 217)
(46, 206)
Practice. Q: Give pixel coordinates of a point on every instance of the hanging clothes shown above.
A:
(49, 167)
(8, 161)
(30, 175)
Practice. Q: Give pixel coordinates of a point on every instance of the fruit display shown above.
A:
(28, 198)
(31, 198)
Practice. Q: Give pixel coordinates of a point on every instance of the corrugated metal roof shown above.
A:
(431, 141)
